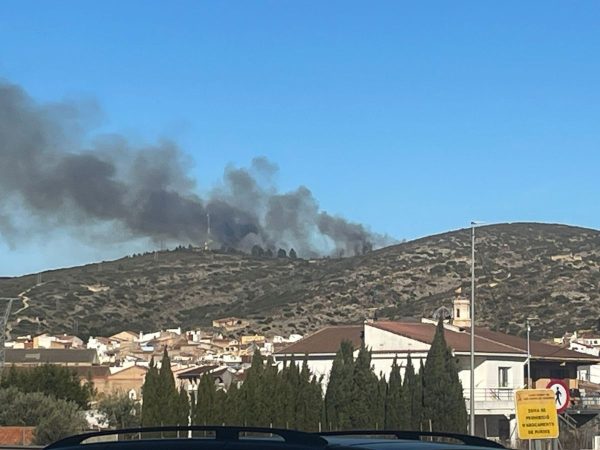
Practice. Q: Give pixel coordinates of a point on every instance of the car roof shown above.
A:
(400, 444)
(245, 438)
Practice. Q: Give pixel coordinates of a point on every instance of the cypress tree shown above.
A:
(443, 394)
(382, 392)
(150, 401)
(252, 404)
(414, 403)
(231, 413)
(364, 392)
(308, 401)
(269, 392)
(183, 408)
(292, 383)
(219, 412)
(316, 404)
(205, 409)
(168, 396)
(395, 401)
(338, 397)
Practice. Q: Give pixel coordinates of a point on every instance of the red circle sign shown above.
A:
(561, 394)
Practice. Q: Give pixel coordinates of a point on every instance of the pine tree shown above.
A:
(338, 397)
(443, 394)
(293, 254)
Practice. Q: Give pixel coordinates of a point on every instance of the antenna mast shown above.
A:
(3, 323)
(207, 241)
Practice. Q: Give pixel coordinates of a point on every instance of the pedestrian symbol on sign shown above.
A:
(561, 394)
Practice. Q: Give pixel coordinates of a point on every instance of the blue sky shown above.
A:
(410, 117)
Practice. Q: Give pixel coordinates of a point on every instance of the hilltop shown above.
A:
(547, 271)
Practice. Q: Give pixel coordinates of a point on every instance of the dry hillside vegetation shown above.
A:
(551, 272)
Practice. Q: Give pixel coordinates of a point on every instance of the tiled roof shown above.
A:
(195, 372)
(539, 350)
(459, 341)
(51, 356)
(486, 341)
(326, 340)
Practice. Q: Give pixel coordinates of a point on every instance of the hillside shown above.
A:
(551, 272)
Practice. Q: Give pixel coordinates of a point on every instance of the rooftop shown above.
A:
(326, 340)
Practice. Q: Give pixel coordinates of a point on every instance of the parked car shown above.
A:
(249, 438)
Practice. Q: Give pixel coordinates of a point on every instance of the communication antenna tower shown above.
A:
(3, 323)
(207, 241)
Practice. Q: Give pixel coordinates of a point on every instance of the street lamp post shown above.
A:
(528, 355)
(472, 384)
(527, 321)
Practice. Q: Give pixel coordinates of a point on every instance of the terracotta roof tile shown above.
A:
(325, 340)
(539, 349)
(459, 341)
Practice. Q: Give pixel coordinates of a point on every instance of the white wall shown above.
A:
(378, 340)
(382, 362)
(487, 371)
(590, 373)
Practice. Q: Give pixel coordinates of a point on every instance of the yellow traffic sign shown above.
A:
(536, 414)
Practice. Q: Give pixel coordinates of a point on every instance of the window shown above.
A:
(457, 313)
(503, 377)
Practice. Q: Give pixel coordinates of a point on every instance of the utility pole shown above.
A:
(472, 378)
(3, 323)
(472, 384)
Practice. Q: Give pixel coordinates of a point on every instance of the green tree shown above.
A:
(414, 398)
(168, 396)
(365, 408)
(293, 254)
(53, 418)
(151, 407)
(443, 399)
(205, 410)
(231, 411)
(183, 407)
(270, 393)
(395, 401)
(252, 404)
(281, 253)
(120, 410)
(57, 381)
(338, 396)
(382, 392)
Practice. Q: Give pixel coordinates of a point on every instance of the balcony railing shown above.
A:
(585, 402)
(492, 394)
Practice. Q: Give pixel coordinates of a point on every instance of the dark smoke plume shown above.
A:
(52, 176)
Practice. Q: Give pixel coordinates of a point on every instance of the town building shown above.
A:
(500, 361)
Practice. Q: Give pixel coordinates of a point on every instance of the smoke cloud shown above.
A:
(52, 175)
